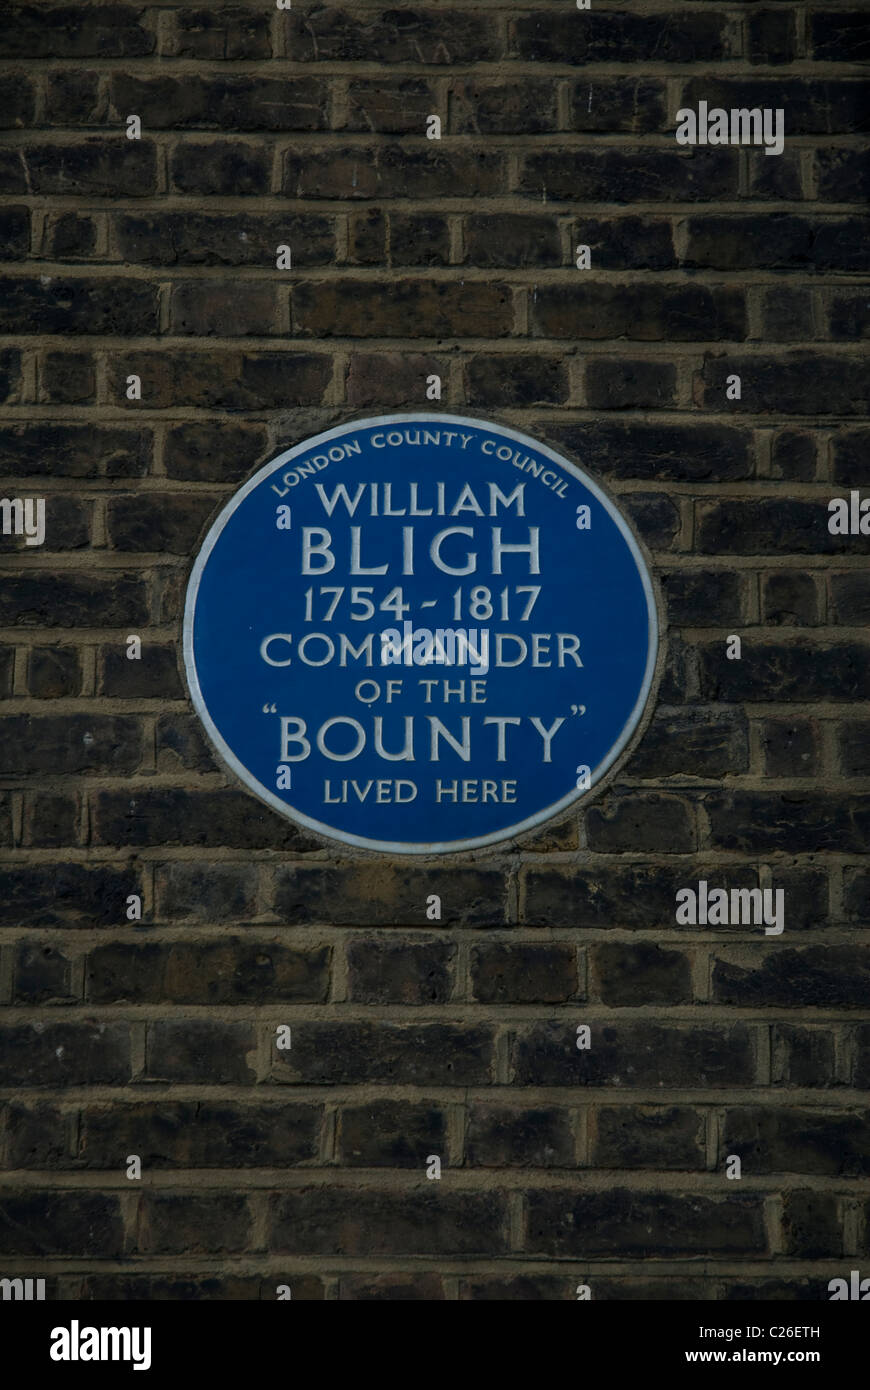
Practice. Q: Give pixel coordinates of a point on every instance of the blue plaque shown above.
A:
(420, 633)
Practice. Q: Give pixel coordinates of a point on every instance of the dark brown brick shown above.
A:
(518, 1136)
(599, 897)
(75, 451)
(10, 375)
(171, 816)
(69, 236)
(522, 106)
(798, 670)
(7, 665)
(802, 1056)
(230, 971)
(153, 675)
(841, 174)
(392, 106)
(793, 455)
(213, 453)
(233, 168)
(505, 379)
(861, 1071)
(626, 176)
(228, 32)
(51, 819)
(650, 1136)
(392, 171)
(75, 31)
(649, 312)
(65, 1054)
(379, 894)
(332, 34)
(780, 241)
(627, 1223)
(178, 1134)
(641, 973)
(198, 1051)
(67, 378)
(42, 975)
(833, 977)
(383, 1288)
(391, 1134)
(220, 238)
(697, 598)
(401, 309)
(231, 102)
(791, 747)
(790, 598)
(493, 240)
(524, 974)
(641, 821)
(13, 171)
(154, 522)
(771, 36)
(779, 1140)
(634, 106)
(793, 383)
(391, 378)
(400, 972)
(633, 1054)
(67, 895)
(814, 106)
(193, 1224)
(94, 167)
(17, 101)
(812, 1225)
(806, 821)
(72, 743)
(14, 233)
(73, 98)
(613, 36)
(630, 385)
(181, 742)
(35, 1136)
(854, 745)
(656, 516)
(53, 672)
(787, 315)
(386, 1054)
(207, 892)
(104, 1288)
(36, 1224)
(110, 305)
(850, 598)
(203, 309)
(106, 599)
(700, 451)
(334, 1222)
(224, 381)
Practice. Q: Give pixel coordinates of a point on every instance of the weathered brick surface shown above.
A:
(414, 1038)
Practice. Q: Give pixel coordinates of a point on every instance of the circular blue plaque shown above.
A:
(420, 633)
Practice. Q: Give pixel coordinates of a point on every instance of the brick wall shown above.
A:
(156, 257)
